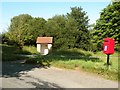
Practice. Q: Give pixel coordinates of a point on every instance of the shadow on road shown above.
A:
(16, 68)
(43, 84)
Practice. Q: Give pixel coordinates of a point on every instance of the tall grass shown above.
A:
(10, 53)
(30, 49)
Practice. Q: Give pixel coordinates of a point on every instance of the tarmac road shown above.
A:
(18, 75)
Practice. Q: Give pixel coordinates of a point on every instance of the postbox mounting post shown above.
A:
(108, 59)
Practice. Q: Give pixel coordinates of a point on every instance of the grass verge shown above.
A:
(81, 60)
(69, 59)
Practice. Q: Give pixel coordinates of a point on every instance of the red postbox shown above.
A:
(108, 46)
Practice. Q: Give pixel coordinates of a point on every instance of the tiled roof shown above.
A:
(44, 40)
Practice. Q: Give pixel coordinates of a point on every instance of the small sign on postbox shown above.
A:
(108, 47)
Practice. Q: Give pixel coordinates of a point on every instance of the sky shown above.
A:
(47, 10)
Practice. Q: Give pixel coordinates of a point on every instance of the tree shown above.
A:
(69, 31)
(82, 34)
(55, 27)
(24, 29)
(35, 28)
(18, 27)
(108, 25)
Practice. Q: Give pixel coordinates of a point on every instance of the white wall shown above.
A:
(38, 47)
(44, 48)
(46, 51)
(49, 46)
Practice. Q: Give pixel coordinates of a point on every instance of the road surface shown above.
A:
(19, 75)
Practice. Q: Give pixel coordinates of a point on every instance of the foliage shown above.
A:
(69, 31)
(82, 35)
(30, 49)
(17, 27)
(55, 27)
(24, 29)
(4, 38)
(108, 25)
(35, 29)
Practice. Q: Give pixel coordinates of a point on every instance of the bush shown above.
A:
(117, 47)
(30, 49)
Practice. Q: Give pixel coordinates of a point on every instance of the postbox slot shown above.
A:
(106, 40)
